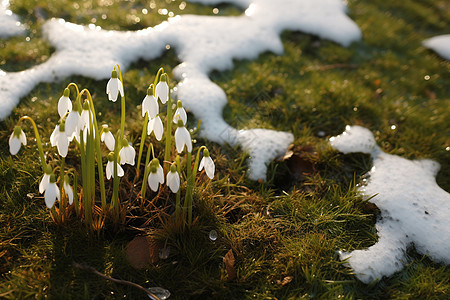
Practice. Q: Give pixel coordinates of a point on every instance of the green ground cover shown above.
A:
(285, 232)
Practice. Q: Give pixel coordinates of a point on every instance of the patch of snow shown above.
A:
(203, 44)
(414, 209)
(439, 44)
(9, 22)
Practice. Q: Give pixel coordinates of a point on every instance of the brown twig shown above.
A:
(92, 270)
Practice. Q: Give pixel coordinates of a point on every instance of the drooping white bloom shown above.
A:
(180, 114)
(114, 86)
(127, 153)
(156, 175)
(110, 170)
(182, 138)
(108, 138)
(51, 194)
(59, 139)
(72, 122)
(64, 103)
(173, 179)
(69, 191)
(45, 179)
(162, 89)
(156, 126)
(16, 140)
(150, 105)
(208, 164)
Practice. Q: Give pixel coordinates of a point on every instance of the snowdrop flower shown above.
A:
(207, 163)
(180, 114)
(156, 175)
(45, 179)
(108, 138)
(110, 167)
(72, 122)
(173, 179)
(52, 192)
(16, 140)
(127, 153)
(182, 138)
(64, 103)
(162, 89)
(59, 139)
(84, 118)
(68, 189)
(150, 105)
(156, 126)
(114, 86)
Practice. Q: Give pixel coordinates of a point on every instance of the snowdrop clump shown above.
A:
(78, 132)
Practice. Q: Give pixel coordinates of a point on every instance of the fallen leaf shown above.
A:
(300, 161)
(229, 261)
(143, 251)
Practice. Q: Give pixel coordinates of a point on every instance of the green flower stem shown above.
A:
(178, 196)
(85, 181)
(97, 149)
(38, 140)
(61, 185)
(141, 147)
(146, 171)
(122, 101)
(75, 86)
(116, 179)
(169, 117)
(191, 185)
(75, 194)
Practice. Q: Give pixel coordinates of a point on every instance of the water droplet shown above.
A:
(164, 252)
(213, 235)
(159, 292)
(393, 127)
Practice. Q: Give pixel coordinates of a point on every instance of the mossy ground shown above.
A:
(284, 233)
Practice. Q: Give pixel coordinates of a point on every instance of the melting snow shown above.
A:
(414, 209)
(203, 44)
(9, 23)
(439, 44)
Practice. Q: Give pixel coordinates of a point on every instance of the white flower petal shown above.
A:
(54, 136)
(109, 140)
(64, 105)
(127, 155)
(173, 181)
(112, 89)
(51, 194)
(162, 91)
(44, 183)
(14, 144)
(69, 192)
(62, 144)
(153, 181)
(156, 126)
(209, 167)
(180, 114)
(23, 138)
(72, 121)
(182, 138)
(160, 174)
(150, 105)
(110, 170)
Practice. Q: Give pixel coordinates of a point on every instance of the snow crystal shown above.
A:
(203, 44)
(414, 209)
(9, 23)
(439, 44)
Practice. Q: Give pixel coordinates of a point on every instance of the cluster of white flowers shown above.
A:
(77, 122)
